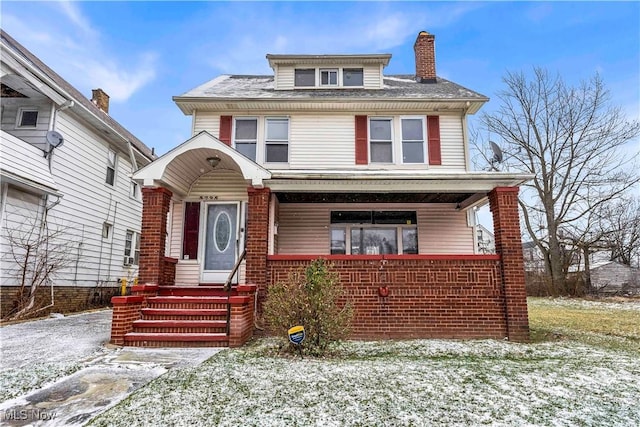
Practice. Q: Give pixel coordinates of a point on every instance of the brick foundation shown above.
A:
(67, 299)
(429, 296)
(241, 323)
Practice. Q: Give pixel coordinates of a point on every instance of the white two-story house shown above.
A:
(67, 193)
(329, 157)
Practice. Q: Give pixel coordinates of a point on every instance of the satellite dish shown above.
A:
(497, 155)
(54, 139)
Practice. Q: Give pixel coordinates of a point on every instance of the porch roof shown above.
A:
(467, 189)
(182, 166)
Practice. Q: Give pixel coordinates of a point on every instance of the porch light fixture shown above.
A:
(214, 161)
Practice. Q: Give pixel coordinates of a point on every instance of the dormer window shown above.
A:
(305, 77)
(329, 77)
(352, 77)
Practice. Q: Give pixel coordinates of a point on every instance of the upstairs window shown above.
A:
(134, 190)
(277, 140)
(27, 118)
(111, 167)
(380, 140)
(329, 77)
(107, 229)
(245, 136)
(305, 77)
(412, 140)
(352, 77)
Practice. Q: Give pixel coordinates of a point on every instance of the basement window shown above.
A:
(374, 232)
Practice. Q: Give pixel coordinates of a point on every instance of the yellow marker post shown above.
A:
(123, 286)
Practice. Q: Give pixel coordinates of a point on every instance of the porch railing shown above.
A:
(228, 287)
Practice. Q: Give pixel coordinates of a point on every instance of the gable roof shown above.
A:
(88, 109)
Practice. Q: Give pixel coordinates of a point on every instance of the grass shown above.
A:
(614, 324)
(583, 368)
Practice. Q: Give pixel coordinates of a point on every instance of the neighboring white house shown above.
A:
(65, 170)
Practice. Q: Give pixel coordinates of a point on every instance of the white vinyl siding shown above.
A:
(305, 228)
(372, 76)
(285, 75)
(322, 142)
(204, 120)
(88, 203)
(451, 143)
(33, 135)
(325, 140)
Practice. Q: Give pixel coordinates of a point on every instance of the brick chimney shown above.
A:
(101, 99)
(425, 49)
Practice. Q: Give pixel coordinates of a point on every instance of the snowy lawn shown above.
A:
(568, 377)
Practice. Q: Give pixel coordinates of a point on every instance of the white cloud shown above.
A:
(361, 27)
(65, 39)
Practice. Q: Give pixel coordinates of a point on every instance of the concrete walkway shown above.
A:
(68, 373)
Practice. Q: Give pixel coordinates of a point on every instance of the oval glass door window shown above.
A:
(222, 231)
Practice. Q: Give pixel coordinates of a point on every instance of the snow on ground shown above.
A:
(404, 383)
(605, 304)
(38, 352)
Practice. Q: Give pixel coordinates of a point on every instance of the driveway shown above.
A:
(61, 371)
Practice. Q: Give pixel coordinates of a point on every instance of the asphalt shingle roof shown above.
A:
(395, 87)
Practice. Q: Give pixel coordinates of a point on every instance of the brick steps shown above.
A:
(182, 316)
(168, 339)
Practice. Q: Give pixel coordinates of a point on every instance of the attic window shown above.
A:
(27, 118)
(352, 77)
(329, 77)
(305, 77)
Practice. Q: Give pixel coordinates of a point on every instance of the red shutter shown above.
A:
(225, 129)
(433, 131)
(191, 230)
(362, 143)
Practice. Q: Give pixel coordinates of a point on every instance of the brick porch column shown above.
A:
(257, 238)
(155, 207)
(503, 202)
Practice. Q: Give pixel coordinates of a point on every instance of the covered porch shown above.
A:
(403, 242)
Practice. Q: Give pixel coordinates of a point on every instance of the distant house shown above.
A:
(485, 241)
(329, 157)
(66, 187)
(610, 277)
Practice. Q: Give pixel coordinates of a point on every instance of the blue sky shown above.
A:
(143, 53)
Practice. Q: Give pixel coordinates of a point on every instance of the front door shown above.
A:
(221, 241)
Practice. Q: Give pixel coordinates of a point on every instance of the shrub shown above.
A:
(314, 298)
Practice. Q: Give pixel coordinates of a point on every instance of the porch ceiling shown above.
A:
(373, 197)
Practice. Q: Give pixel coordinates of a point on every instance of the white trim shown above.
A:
(20, 115)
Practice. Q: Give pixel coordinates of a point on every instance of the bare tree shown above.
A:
(623, 222)
(573, 140)
(36, 252)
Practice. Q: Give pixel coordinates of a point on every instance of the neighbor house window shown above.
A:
(352, 77)
(191, 230)
(134, 190)
(106, 230)
(277, 140)
(131, 248)
(111, 167)
(329, 77)
(305, 77)
(412, 140)
(245, 136)
(27, 117)
(380, 140)
(374, 232)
